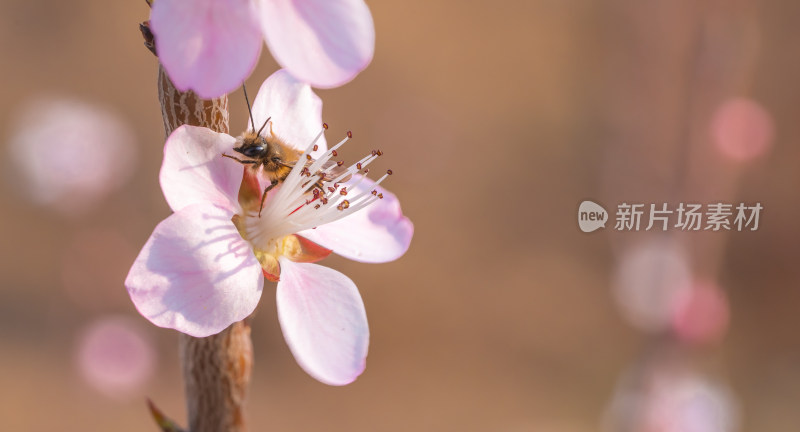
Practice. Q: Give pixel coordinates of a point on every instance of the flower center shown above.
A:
(314, 193)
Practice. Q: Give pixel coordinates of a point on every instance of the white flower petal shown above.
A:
(195, 274)
(295, 109)
(324, 321)
(194, 170)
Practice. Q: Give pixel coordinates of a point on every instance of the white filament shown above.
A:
(293, 208)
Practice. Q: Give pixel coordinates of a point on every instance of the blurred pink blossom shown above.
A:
(212, 46)
(742, 129)
(701, 313)
(70, 153)
(649, 280)
(115, 357)
(203, 267)
(672, 399)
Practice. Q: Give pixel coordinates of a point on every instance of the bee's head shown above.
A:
(253, 147)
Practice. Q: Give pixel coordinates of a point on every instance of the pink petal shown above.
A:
(195, 274)
(324, 322)
(194, 170)
(375, 234)
(209, 46)
(295, 110)
(322, 42)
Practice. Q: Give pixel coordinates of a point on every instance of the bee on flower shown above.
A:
(203, 268)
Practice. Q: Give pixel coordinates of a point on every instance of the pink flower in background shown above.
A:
(671, 398)
(212, 46)
(650, 279)
(742, 129)
(70, 153)
(203, 267)
(115, 357)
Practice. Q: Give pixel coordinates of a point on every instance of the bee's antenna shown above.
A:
(265, 124)
(252, 123)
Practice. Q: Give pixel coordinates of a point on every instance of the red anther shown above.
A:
(349, 134)
(308, 157)
(315, 192)
(343, 191)
(346, 203)
(331, 188)
(325, 126)
(339, 163)
(358, 165)
(380, 153)
(389, 172)
(316, 206)
(374, 192)
(324, 200)
(374, 152)
(340, 207)
(334, 153)
(366, 170)
(380, 195)
(316, 147)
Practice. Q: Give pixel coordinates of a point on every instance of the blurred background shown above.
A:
(498, 120)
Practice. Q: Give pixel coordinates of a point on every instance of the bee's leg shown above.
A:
(264, 195)
(241, 161)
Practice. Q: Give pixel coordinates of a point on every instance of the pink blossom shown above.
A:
(115, 357)
(203, 267)
(669, 397)
(742, 129)
(212, 46)
(94, 153)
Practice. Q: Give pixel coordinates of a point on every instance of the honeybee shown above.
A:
(277, 158)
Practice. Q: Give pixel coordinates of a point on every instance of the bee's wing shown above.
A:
(332, 170)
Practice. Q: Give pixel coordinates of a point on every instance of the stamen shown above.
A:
(308, 196)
